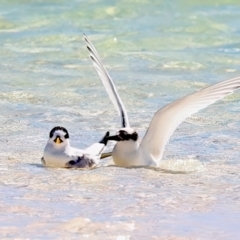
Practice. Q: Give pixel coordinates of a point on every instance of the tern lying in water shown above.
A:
(59, 153)
(128, 152)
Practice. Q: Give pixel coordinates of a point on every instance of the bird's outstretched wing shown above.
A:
(107, 82)
(97, 148)
(167, 119)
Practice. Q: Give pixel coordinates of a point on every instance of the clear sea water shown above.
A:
(156, 51)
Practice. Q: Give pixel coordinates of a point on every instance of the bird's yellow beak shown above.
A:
(58, 140)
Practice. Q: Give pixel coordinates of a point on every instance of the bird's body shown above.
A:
(126, 154)
(127, 151)
(61, 158)
(59, 153)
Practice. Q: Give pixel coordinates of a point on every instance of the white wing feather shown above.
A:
(108, 83)
(95, 149)
(74, 153)
(167, 119)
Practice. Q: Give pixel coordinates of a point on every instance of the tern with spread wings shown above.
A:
(128, 151)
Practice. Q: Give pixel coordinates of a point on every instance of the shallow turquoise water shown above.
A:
(156, 52)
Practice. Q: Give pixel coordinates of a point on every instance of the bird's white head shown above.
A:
(59, 137)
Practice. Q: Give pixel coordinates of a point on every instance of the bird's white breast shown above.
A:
(128, 153)
(55, 158)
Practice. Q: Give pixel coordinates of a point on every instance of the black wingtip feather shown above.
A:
(104, 140)
(123, 119)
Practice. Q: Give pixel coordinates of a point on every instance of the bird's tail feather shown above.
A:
(105, 155)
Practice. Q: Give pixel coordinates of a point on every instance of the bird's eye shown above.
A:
(66, 135)
(123, 133)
